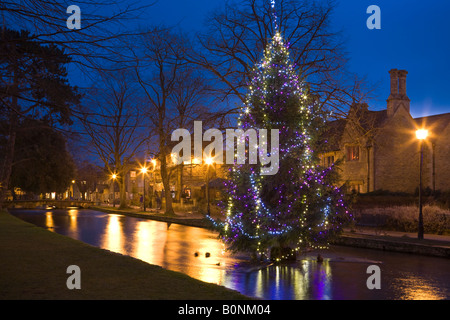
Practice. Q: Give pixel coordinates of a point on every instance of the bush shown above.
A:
(442, 198)
(381, 198)
(384, 198)
(405, 218)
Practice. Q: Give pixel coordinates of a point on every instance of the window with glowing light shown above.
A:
(329, 161)
(352, 153)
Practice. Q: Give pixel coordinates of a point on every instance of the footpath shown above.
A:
(362, 237)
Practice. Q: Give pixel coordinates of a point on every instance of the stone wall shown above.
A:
(354, 172)
(389, 152)
(396, 155)
(442, 160)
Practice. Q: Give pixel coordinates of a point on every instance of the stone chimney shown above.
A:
(394, 84)
(402, 83)
(397, 97)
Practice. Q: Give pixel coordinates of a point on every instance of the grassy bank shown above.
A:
(33, 264)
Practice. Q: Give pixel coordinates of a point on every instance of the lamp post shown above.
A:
(71, 196)
(114, 176)
(144, 171)
(153, 161)
(421, 134)
(208, 161)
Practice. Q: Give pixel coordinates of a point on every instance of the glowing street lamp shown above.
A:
(114, 177)
(208, 161)
(71, 190)
(421, 135)
(144, 171)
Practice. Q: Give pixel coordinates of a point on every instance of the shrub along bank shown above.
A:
(400, 211)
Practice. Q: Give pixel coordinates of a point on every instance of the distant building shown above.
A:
(187, 181)
(379, 149)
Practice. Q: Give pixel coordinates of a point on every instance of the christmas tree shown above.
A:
(298, 207)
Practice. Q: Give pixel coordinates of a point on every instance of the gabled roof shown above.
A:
(369, 120)
(332, 135)
(437, 123)
(366, 119)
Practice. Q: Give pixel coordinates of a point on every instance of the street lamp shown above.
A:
(208, 161)
(72, 195)
(421, 134)
(114, 177)
(144, 171)
(153, 161)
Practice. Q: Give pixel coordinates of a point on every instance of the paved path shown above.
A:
(398, 234)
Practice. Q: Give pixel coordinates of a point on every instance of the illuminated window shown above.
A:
(356, 188)
(330, 161)
(352, 153)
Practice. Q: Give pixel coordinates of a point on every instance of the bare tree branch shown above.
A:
(115, 129)
(238, 34)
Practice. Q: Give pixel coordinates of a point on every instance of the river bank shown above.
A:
(34, 262)
(370, 238)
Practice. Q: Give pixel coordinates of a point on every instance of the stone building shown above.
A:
(187, 181)
(379, 149)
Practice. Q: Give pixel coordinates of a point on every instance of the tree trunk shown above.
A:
(166, 183)
(7, 164)
(180, 181)
(122, 191)
(6, 169)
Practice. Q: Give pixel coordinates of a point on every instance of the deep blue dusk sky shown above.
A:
(414, 35)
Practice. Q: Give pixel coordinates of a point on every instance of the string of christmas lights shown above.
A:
(298, 207)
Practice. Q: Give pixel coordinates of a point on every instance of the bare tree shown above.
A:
(114, 128)
(188, 98)
(87, 177)
(43, 23)
(238, 34)
(103, 26)
(174, 92)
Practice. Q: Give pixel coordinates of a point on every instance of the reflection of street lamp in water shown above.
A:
(421, 134)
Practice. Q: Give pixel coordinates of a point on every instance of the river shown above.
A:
(198, 253)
